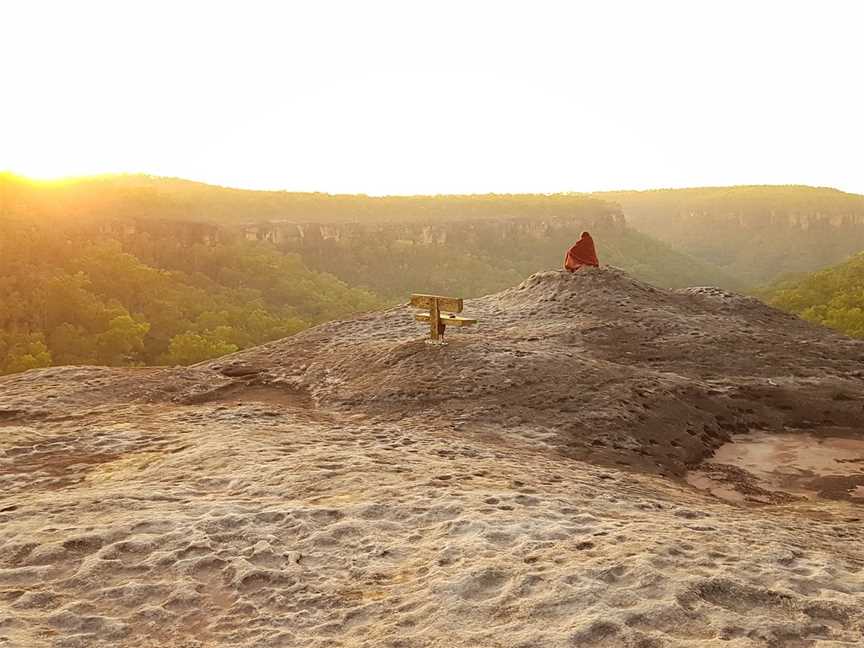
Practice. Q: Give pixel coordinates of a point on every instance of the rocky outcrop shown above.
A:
(181, 232)
(775, 219)
(305, 236)
(601, 366)
(517, 487)
(292, 236)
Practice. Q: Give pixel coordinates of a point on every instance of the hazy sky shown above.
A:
(437, 96)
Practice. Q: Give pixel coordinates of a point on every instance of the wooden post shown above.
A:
(434, 316)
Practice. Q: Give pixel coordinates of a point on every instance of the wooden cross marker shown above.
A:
(441, 313)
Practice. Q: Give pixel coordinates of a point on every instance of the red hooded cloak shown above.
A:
(581, 254)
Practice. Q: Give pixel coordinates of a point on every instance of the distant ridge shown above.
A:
(741, 235)
(756, 233)
(468, 244)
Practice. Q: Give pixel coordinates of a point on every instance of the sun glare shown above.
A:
(49, 168)
(471, 97)
(47, 175)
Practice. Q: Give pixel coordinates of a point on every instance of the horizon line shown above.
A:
(144, 174)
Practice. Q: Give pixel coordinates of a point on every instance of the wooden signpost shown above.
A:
(442, 312)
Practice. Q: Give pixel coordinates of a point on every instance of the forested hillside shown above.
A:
(832, 297)
(68, 297)
(485, 240)
(141, 270)
(145, 197)
(755, 233)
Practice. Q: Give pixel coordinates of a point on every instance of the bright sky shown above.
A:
(437, 96)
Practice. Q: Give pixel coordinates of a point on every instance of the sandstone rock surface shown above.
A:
(520, 486)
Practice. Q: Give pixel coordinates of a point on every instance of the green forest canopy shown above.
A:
(82, 281)
(68, 299)
(109, 270)
(832, 297)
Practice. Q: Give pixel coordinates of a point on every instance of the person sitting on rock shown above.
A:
(581, 254)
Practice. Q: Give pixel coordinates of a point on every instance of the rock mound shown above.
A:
(594, 364)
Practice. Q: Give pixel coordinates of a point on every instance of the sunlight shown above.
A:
(411, 324)
(472, 97)
(50, 175)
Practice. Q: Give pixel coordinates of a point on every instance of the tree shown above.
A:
(23, 352)
(833, 297)
(122, 342)
(189, 348)
(72, 345)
